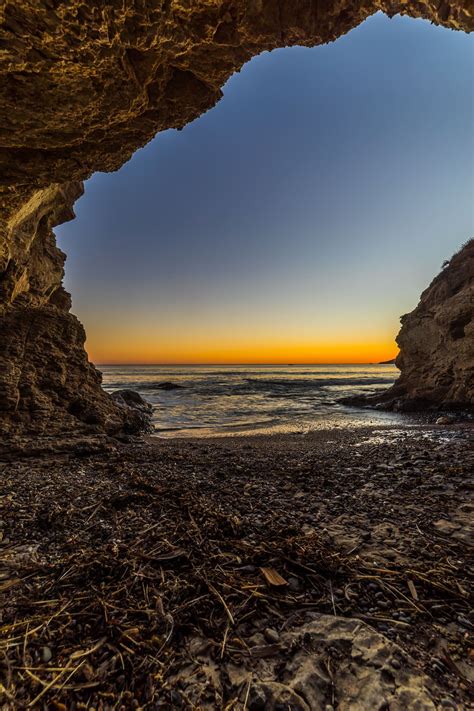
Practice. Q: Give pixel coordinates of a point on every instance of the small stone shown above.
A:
(257, 698)
(445, 420)
(271, 635)
(446, 527)
(395, 664)
(46, 654)
(294, 584)
(248, 569)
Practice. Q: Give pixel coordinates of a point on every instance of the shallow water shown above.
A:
(229, 400)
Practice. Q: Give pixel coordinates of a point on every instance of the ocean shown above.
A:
(229, 400)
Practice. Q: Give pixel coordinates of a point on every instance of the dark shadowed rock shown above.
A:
(139, 411)
(169, 386)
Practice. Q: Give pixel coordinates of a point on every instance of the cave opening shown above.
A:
(335, 177)
(292, 224)
(319, 558)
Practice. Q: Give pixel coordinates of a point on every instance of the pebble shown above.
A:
(46, 654)
(448, 704)
(257, 698)
(395, 664)
(271, 635)
(294, 584)
(445, 420)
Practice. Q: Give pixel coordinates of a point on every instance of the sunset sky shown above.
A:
(297, 220)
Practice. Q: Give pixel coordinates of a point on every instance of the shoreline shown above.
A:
(423, 422)
(240, 572)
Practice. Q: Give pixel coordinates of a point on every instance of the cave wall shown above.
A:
(83, 84)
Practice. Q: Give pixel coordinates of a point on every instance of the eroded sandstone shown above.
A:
(83, 85)
(437, 338)
(436, 343)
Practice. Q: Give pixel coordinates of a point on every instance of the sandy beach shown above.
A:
(286, 572)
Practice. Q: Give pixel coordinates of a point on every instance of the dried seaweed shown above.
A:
(105, 588)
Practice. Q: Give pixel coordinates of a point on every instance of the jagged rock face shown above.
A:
(436, 343)
(46, 381)
(84, 84)
(437, 340)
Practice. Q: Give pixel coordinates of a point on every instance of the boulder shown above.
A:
(139, 411)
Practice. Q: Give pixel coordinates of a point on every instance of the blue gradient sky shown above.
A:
(294, 222)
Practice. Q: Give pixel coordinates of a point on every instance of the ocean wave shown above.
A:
(225, 400)
(297, 384)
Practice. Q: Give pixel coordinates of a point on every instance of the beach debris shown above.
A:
(138, 575)
(273, 577)
(412, 588)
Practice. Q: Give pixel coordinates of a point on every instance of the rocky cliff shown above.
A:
(437, 341)
(83, 85)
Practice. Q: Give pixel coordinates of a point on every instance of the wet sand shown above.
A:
(210, 573)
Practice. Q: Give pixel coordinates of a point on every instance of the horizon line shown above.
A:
(284, 364)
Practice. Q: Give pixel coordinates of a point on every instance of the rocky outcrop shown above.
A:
(437, 339)
(47, 384)
(139, 411)
(436, 343)
(84, 84)
(326, 659)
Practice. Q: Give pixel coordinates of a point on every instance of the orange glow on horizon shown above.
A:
(174, 340)
(240, 354)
